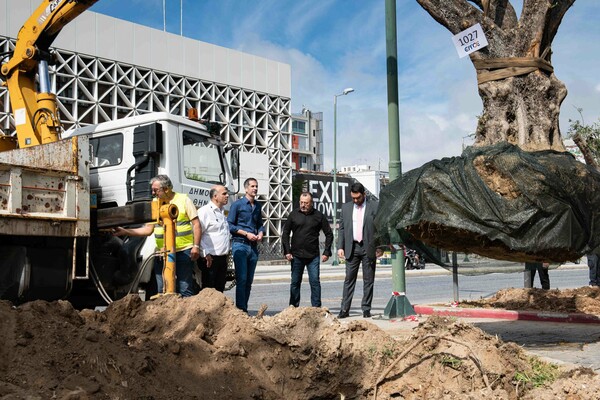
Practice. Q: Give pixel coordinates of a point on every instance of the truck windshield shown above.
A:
(107, 150)
(201, 159)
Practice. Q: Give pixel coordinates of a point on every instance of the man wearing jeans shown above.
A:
(306, 223)
(246, 227)
(187, 241)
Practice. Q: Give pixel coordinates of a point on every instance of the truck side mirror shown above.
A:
(235, 163)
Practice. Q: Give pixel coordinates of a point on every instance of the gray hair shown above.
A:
(163, 180)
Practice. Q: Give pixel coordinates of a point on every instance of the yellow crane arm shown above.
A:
(35, 110)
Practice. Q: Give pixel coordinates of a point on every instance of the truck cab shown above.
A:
(127, 153)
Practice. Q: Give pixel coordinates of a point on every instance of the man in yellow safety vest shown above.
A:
(187, 241)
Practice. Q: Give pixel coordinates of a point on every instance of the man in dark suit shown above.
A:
(356, 243)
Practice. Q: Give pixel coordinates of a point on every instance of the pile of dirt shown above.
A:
(584, 300)
(203, 347)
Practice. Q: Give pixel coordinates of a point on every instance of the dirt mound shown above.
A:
(204, 348)
(585, 300)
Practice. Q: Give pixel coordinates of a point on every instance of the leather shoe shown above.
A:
(367, 314)
(343, 314)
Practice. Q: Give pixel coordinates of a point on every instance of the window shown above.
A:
(107, 150)
(201, 159)
(299, 127)
(300, 134)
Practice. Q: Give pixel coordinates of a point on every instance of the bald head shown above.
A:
(219, 195)
(306, 202)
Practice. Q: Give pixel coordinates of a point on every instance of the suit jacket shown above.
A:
(346, 232)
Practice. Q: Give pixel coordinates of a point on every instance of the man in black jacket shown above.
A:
(306, 223)
(356, 243)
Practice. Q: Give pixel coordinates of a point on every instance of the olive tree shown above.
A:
(587, 138)
(520, 93)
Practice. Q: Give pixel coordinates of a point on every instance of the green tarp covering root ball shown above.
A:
(499, 202)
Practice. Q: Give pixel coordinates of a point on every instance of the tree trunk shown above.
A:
(520, 93)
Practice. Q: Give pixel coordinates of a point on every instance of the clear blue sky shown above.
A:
(335, 44)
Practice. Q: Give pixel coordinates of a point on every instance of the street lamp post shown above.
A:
(335, 186)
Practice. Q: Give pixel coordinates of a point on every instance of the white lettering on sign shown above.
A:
(324, 194)
(469, 40)
(49, 10)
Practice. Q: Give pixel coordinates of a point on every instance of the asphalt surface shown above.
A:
(571, 339)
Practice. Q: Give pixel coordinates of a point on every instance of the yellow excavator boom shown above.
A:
(34, 108)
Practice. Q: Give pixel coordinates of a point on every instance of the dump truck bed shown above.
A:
(44, 190)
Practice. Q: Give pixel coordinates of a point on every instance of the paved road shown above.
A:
(558, 342)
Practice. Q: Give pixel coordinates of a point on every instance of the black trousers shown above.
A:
(359, 255)
(530, 269)
(216, 276)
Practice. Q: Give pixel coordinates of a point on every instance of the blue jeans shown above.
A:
(245, 258)
(593, 262)
(184, 273)
(312, 266)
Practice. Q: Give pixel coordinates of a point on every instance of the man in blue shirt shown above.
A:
(246, 227)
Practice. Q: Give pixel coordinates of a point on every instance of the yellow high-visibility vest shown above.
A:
(184, 237)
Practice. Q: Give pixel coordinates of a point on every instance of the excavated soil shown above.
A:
(204, 348)
(584, 300)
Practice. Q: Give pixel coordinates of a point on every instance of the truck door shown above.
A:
(108, 166)
(201, 165)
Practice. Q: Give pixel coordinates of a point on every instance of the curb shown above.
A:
(508, 314)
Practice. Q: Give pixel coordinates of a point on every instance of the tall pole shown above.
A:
(164, 15)
(335, 185)
(180, 17)
(398, 305)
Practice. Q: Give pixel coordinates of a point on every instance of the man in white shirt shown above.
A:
(215, 239)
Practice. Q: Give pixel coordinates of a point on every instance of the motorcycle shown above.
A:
(413, 260)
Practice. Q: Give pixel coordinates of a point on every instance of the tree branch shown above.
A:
(455, 15)
(555, 16)
(546, 15)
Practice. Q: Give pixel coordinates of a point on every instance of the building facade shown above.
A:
(109, 68)
(307, 141)
(372, 179)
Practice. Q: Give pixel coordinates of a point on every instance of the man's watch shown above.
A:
(196, 245)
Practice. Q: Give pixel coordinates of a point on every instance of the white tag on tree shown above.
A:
(469, 40)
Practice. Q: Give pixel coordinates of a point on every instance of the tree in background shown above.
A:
(521, 95)
(587, 138)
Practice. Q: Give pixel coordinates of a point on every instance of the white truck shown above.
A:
(55, 238)
(60, 192)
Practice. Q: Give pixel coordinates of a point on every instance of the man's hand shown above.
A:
(341, 253)
(289, 257)
(119, 231)
(209, 260)
(254, 238)
(324, 258)
(194, 253)
(378, 252)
